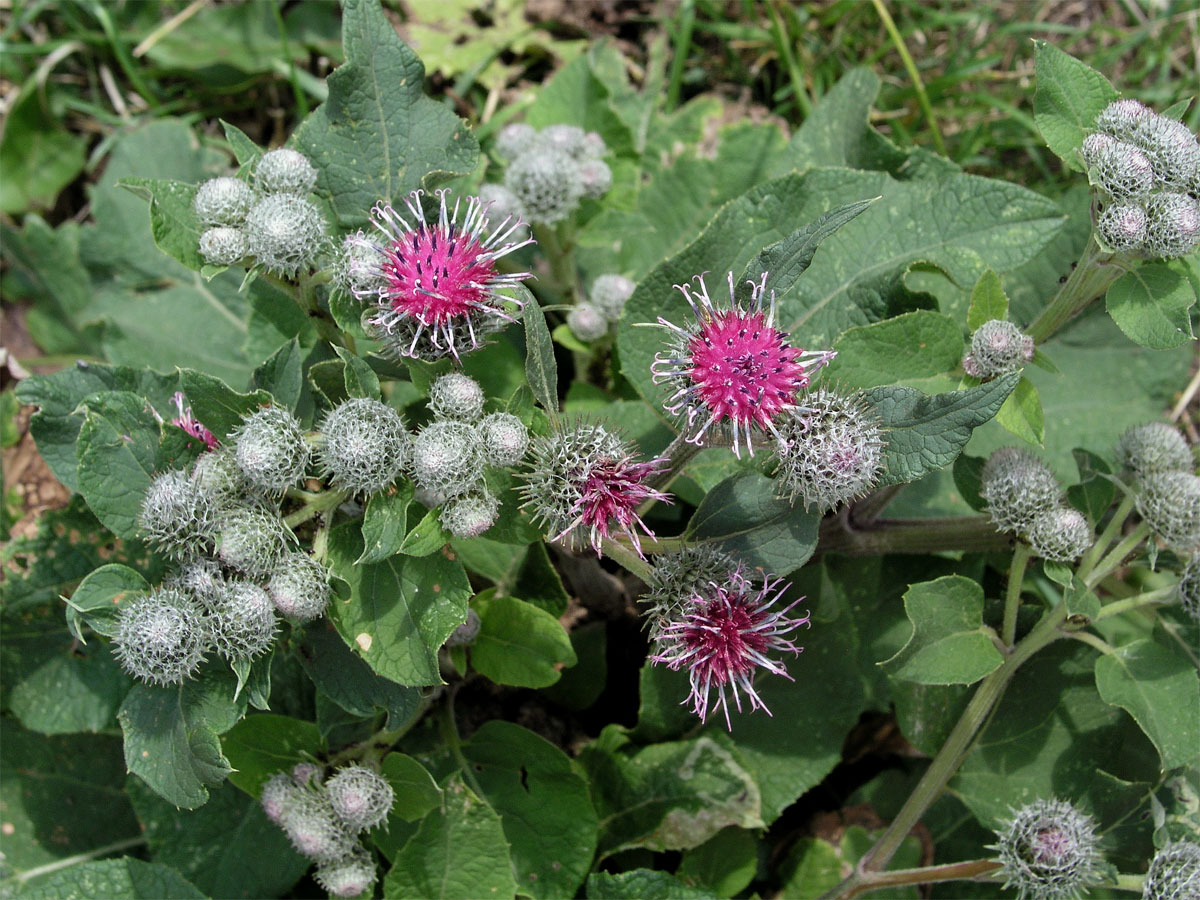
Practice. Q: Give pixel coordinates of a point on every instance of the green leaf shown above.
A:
(227, 848)
(350, 683)
(377, 137)
(77, 689)
(670, 796)
(575, 96)
(1021, 413)
(38, 154)
(118, 457)
(1158, 686)
(743, 515)
(1069, 96)
(644, 884)
(918, 344)
(245, 150)
(926, 433)
(427, 536)
(458, 853)
(416, 791)
(114, 879)
(171, 736)
(281, 376)
(1150, 304)
(384, 524)
(263, 744)
(544, 807)
(539, 583)
(400, 610)
(361, 380)
(95, 600)
(48, 261)
(988, 301)
(519, 644)
(173, 222)
(541, 370)
(815, 865)
(724, 864)
(218, 406)
(968, 476)
(581, 685)
(1095, 492)
(949, 644)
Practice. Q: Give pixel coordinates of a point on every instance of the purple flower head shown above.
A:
(435, 284)
(189, 424)
(721, 635)
(732, 368)
(585, 483)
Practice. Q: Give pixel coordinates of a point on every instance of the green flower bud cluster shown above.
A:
(1147, 170)
(1154, 447)
(324, 818)
(828, 451)
(1174, 873)
(1162, 464)
(272, 221)
(270, 449)
(1189, 587)
(364, 446)
(1049, 851)
(451, 454)
(1024, 497)
(549, 171)
(997, 348)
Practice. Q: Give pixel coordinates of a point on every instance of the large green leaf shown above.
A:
(261, 745)
(76, 689)
(114, 879)
(1150, 304)
(645, 884)
(915, 345)
(518, 643)
(400, 611)
(544, 807)
(349, 682)
(378, 137)
(38, 154)
(1069, 96)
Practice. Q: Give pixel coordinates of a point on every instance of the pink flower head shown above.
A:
(722, 633)
(586, 482)
(436, 284)
(188, 423)
(732, 368)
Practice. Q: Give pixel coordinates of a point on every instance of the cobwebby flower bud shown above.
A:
(609, 294)
(278, 794)
(1174, 873)
(221, 479)
(456, 397)
(271, 450)
(1016, 486)
(364, 446)
(1172, 225)
(315, 830)
(1154, 447)
(299, 587)
(546, 182)
(242, 622)
(829, 451)
(1170, 503)
(177, 516)
(514, 139)
(593, 146)
(502, 204)
(1060, 534)
(161, 636)
(447, 458)
(251, 541)
(359, 270)
(997, 348)
(285, 171)
(306, 773)
(285, 232)
(587, 323)
(1049, 851)
(223, 201)
(465, 634)
(1122, 226)
(505, 439)
(567, 138)
(1173, 151)
(223, 246)
(348, 877)
(200, 579)
(1121, 169)
(1189, 587)
(471, 515)
(596, 177)
(1123, 118)
(359, 797)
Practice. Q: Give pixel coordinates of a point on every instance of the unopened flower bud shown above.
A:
(221, 479)
(348, 877)
(360, 797)
(502, 204)
(1123, 170)
(514, 139)
(271, 450)
(306, 773)
(177, 517)
(1123, 118)
(299, 587)
(447, 458)
(596, 177)
(285, 171)
(830, 450)
(1095, 145)
(505, 439)
(456, 397)
(609, 294)
(1189, 587)
(223, 246)
(278, 794)
(1174, 873)
(161, 636)
(1154, 447)
(470, 515)
(1122, 226)
(1172, 225)
(364, 446)
(360, 268)
(1173, 151)
(465, 634)
(285, 232)
(1170, 503)
(568, 139)
(1060, 535)
(1016, 486)
(546, 182)
(593, 146)
(223, 201)
(315, 830)
(1049, 851)
(997, 348)
(587, 323)
(242, 622)
(251, 541)
(200, 579)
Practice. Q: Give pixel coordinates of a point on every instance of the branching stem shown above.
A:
(1012, 597)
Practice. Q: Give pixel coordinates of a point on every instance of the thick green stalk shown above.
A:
(1113, 560)
(1115, 524)
(1092, 276)
(322, 502)
(1012, 598)
(971, 870)
(627, 558)
(1153, 598)
(960, 533)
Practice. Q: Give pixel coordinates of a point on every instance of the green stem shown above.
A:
(1160, 596)
(683, 43)
(1090, 278)
(1115, 524)
(678, 454)
(1113, 560)
(972, 870)
(958, 533)
(795, 75)
(560, 254)
(911, 67)
(322, 502)
(449, 731)
(1092, 640)
(68, 861)
(1012, 597)
(627, 558)
(866, 511)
